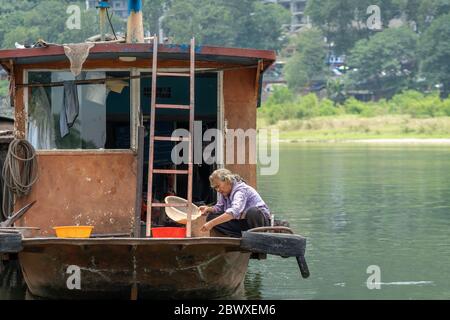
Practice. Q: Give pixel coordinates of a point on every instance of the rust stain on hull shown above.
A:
(97, 189)
(186, 269)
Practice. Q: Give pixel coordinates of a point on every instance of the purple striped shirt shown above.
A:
(241, 198)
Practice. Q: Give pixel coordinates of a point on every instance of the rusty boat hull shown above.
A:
(124, 268)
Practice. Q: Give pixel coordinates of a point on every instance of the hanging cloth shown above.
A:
(40, 121)
(70, 108)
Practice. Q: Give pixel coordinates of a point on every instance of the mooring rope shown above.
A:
(20, 172)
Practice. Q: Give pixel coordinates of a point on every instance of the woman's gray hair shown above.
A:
(224, 175)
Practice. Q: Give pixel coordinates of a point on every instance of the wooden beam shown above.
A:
(139, 180)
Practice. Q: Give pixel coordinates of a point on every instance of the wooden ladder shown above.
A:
(153, 138)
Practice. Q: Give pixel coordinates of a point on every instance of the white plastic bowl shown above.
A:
(179, 214)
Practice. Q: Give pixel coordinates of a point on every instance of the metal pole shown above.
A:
(135, 28)
(103, 6)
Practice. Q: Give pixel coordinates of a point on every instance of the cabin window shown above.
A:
(102, 120)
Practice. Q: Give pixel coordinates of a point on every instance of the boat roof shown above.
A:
(102, 51)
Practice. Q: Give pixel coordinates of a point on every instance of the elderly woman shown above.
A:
(238, 208)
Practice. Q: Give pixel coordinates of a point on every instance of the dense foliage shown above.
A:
(410, 50)
(243, 23)
(283, 105)
(383, 61)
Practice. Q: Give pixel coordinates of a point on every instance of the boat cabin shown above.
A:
(91, 175)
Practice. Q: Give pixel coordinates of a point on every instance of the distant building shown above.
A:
(119, 7)
(297, 8)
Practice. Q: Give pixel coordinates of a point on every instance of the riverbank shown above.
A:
(350, 128)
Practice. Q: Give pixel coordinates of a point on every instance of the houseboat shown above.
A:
(99, 169)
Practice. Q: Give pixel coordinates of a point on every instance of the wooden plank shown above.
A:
(111, 235)
(19, 104)
(170, 171)
(191, 145)
(10, 242)
(139, 63)
(173, 106)
(232, 242)
(139, 180)
(174, 139)
(173, 74)
(152, 135)
(130, 48)
(165, 205)
(259, 71)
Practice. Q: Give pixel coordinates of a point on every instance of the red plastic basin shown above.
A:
(169, 232)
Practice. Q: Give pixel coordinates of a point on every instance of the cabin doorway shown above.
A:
(175, 90)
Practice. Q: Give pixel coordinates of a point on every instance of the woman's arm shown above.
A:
(225, 217)
(219, 206)
(237, 205)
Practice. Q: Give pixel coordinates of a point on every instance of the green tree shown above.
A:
(343, 22)
(209, 21)
(152, 11)
(336, 90)
(261, 25)
(245, 23)
(423, 12)
(435, 54)
(47, 20)
(386, 63)
(308, 62)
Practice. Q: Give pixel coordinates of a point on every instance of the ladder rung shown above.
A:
(172, 74)
(170, 171)
(173, 106)
(175, 139)
(169, 205)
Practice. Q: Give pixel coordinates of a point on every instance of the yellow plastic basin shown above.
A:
(73, 231)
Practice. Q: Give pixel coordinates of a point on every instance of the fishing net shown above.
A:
(77, 54)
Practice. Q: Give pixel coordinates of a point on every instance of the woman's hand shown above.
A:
(206, 227)
(204, 210)
(225, 217)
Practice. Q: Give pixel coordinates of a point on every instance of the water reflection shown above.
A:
(253, 281)
(362, 205)
(12, 284)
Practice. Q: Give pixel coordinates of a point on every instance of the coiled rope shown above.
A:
(20, 172)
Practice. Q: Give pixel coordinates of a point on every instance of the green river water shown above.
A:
(358, 206)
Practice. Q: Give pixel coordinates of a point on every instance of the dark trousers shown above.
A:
(254, 218)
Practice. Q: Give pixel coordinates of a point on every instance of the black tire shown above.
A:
(10, 242)
(280, 244)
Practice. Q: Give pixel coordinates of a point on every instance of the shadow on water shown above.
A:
(252, 284)
(12, 284)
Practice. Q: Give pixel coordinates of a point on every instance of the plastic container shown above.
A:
(73, 231)
(169, 232)
(179, 214)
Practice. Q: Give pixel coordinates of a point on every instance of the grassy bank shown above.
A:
(352, 127)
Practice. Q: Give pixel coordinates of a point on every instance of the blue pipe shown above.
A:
(134, 6)
(103, 5)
